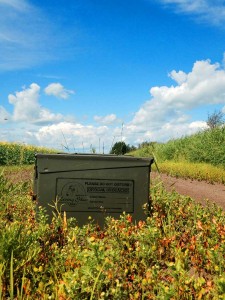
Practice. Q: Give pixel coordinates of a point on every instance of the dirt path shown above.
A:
(198, 190)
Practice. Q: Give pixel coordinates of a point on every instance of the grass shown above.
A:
(203, 147)
(197, 171)
(200, 156)
(176, 253)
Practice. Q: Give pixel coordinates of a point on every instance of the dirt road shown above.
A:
(198, 190)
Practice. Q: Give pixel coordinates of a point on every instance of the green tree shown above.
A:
(120, 148)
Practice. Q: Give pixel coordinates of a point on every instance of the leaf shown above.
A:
(199, 225)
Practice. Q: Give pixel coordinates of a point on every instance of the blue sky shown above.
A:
(87, 73)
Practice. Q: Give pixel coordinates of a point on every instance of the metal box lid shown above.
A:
(68, 162)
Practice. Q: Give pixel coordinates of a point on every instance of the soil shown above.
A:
(200, 191)
(20, 176)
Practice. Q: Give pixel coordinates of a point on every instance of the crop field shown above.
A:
(178, 252)
(19, 154)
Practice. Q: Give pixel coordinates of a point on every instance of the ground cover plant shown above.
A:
(178, 252)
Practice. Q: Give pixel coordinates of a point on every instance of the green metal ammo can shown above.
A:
(93, 185)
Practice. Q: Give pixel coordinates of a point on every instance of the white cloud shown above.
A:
(109, 119)
(58, 90)
(167, 113)
(204, 84)
(75, 136)
(136, 134)
(27, 107)
(210, 11)
(179, 77)
(198, 125)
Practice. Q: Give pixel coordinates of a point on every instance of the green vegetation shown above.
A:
(19, 154)
(121, 148)
(204, 147)
(197, 171)
(177, 253)
(200, 156)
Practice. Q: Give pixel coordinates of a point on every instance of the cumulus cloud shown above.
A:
(172, 129)
(28, 109)
(209, 11)
(58, 90)
(109, 119)
(204, 84)
(167, 113)
(179, 76)
(75, 136)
